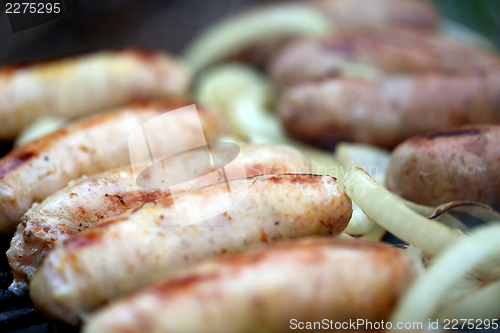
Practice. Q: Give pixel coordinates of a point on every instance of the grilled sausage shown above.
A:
(77, 86)
(355, 14)
(394, 51)
(37, 169)
(265, 290)
(460, 163)
(137, 248)
(85, 202)
(347, 15)
(387, 111)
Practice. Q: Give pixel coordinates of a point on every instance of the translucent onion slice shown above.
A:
(237, 33)
(228, 138)
(242, 95)
(387, 210)
(376, 233)
(463, 34)
(418, 258)
(483, 303)
(431, 213)
(422, 299)
(359, 224)
(372, 160)
(322, 162)
(344, 235)
(39, 128)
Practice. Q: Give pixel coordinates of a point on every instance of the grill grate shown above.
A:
(17, 314)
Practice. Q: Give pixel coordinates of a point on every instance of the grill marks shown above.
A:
(453, 132)
(13, 161)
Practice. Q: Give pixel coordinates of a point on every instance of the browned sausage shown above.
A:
(460, 163)
(269, 290)
(77, 86)
(33, 171)
(89, 200)
(134, 249)
(355, 14)
(386, 111)
(345, 15)
(387, 50)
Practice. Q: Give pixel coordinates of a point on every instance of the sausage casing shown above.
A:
(386, 111)
(347, 15)
(355, 14)
(37, 169)
(77, 86)
(91, 199)
(263, 290)
(390, 51)
(459, 163)
(137, 248)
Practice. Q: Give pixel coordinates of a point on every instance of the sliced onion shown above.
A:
(478, 210)
(237, 33)
(483, 303)
(359, 224)
(228, 138)
(242, 94)
(372, 160)
(430, 213)
(418, 258)
(376, 233)
(322, 162)
(462, 34)
(422, 299)
(344, 235)
(386, 209)
(39, 128)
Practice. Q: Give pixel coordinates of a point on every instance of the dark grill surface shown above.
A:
(17, 313)
(162, 24)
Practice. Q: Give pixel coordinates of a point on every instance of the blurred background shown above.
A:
(171, 24)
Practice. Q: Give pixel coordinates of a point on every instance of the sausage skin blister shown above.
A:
(137, 248)
(263, 290)
(91, 199)
(390, 51)
(386, 111)
(78, 86)
(459, 163)
(37, 169)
